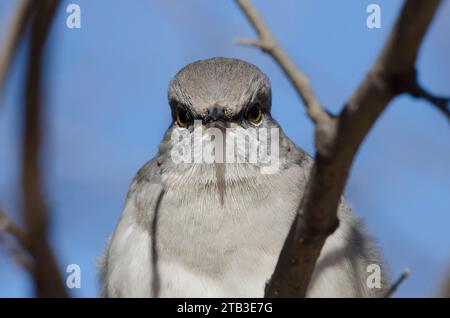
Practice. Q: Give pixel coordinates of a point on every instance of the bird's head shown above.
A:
(230, 101)
(220, 91)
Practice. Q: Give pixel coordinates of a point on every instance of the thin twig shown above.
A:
(397, 283)
(15, 33)
(441, 103)
(445, 291)
(18, 253)
(268, 44)
(8, 226)
(156, 280)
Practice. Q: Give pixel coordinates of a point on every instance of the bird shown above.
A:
(206, 228)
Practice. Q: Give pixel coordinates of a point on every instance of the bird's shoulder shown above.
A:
(294, 155)
(145, 189)
(150, 172)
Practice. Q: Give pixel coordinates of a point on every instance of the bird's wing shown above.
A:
(133, 231)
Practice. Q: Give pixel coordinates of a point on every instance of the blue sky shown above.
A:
(106, 87)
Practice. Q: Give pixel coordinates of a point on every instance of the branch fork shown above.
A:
(337, 139)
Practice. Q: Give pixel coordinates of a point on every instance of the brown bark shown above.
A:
(337, 138)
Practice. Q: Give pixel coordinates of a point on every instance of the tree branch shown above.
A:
(34, 253)
(16, 30)
(48, 282)
(268, 44)
(397, 283)
(445, 292)
(338, 139)
(8, 226)
(19, 254)
(441, 103)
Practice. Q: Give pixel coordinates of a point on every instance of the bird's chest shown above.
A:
(213, 242)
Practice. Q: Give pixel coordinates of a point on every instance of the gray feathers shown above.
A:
(230, 83)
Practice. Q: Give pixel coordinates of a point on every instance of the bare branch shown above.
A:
(8, 226)
(445, 292)
(268, 44)
(48, 282)
(34, 252)
(13, 37)
(338, 139)
(441, 103)
(397, 283)
(18, 253)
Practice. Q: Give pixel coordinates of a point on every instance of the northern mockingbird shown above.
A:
(194, 226)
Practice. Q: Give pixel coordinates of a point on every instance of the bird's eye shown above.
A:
(254, 114)
(182, 118)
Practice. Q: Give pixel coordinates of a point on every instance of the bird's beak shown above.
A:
(216, 118)
(221, 124)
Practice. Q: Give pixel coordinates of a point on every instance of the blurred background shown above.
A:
(106, 110)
